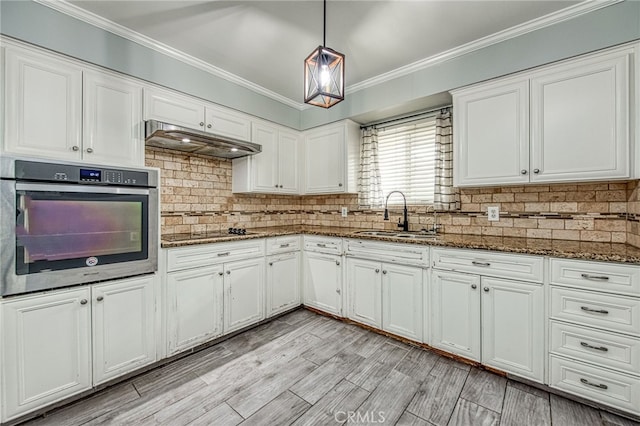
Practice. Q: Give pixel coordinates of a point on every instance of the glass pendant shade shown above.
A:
(324, 77)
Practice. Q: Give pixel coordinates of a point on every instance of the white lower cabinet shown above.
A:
(499, 322)
(364, 283)
(123, 315)
(243, 293)
(47, 351)
(283, 282)
(323, 282)
(195, 307)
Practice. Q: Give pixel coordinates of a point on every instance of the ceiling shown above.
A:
(265, 42)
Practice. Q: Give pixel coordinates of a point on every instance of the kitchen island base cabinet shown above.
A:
(283, 283)
(323, 282)
(243, 293)
(455, 307)
(195, 307)
(46, 349)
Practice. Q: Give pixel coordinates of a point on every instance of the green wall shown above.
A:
(45, 27)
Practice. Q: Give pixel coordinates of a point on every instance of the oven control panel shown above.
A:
(32, 170)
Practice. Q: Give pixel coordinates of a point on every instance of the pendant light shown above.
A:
(324, 73)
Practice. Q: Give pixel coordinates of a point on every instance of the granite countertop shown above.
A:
(611, 252)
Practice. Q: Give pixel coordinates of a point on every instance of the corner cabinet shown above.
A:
(57, 109)
(275, 169)
(331, 155)
(539, 120)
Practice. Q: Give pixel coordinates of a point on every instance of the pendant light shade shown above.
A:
(324, 74)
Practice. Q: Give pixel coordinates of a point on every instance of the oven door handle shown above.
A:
(94, 189)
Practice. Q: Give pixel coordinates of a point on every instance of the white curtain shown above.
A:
(445, 196)
(369, 190)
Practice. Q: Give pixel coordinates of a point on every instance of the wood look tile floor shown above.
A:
(306, 369)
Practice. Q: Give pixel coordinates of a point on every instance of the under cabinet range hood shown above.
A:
(169, 136)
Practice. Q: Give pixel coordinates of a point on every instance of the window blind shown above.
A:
(407, 160)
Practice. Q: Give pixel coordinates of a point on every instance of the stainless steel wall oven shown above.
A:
(66, 224)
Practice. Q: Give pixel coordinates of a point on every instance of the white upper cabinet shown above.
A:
(580, 120)
(181, 110)
(491, 129)
(43, 105)
(113, 131)
(56, 109)
(562, 123)
(275, 169)
(331, 158)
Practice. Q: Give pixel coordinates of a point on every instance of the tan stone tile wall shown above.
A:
(196, 197)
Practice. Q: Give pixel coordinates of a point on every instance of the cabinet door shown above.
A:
(580, 120)
(323, 282)
(513, 327)
(455, 307)
(288, 159)
(283, 283)
(364, 286)
(123, 327)
(402, 301)
(172, 108)
(112, 120)
(491, 134)
(225, 122)
(264, 166)
(46, 349)
(244, 293)
(325, 161)
(194, 299)
(43, 106)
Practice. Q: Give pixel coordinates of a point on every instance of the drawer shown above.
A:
(595, 383)
(283, 244)
(601, 276)
(613, 313)
(208, 254)
(600, 347)
(406, 254)
(323, 244)
(526, 268)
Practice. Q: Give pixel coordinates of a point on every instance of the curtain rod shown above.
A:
(405, 117)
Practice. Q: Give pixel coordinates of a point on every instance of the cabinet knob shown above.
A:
(377, 270)
(83, 302)
(486, 289)
(89, 150)
(473, 286)
(99, 298)
(208, 126)
(276, 185)
(523, 172)
(338, 290)
(75, 148)
(228, 272)
(221, 273)
(338, 262)
(280, 186)
(270, 263)
(536, 171)
(340, 184)
(202, 123)
(384, 271)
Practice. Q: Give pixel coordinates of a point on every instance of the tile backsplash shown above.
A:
(196, 197)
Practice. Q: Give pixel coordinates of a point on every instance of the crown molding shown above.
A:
(97, 21)
(562, 15)
(565, 14)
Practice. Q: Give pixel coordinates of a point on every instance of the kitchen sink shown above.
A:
(393, 234)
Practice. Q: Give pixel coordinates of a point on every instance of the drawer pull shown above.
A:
(226, 253)
(595, 311)
(595, 277)
(597, 348)
(473, 262)
(599, 386)
(321, 245)
(284, 245)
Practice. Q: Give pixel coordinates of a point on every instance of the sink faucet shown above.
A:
(404, 225)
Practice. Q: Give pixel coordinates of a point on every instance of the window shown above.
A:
(406, 156)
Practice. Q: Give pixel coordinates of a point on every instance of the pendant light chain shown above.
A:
(324, 25)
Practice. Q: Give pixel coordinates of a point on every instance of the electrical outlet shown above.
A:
(493, 213)
(344, 211)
